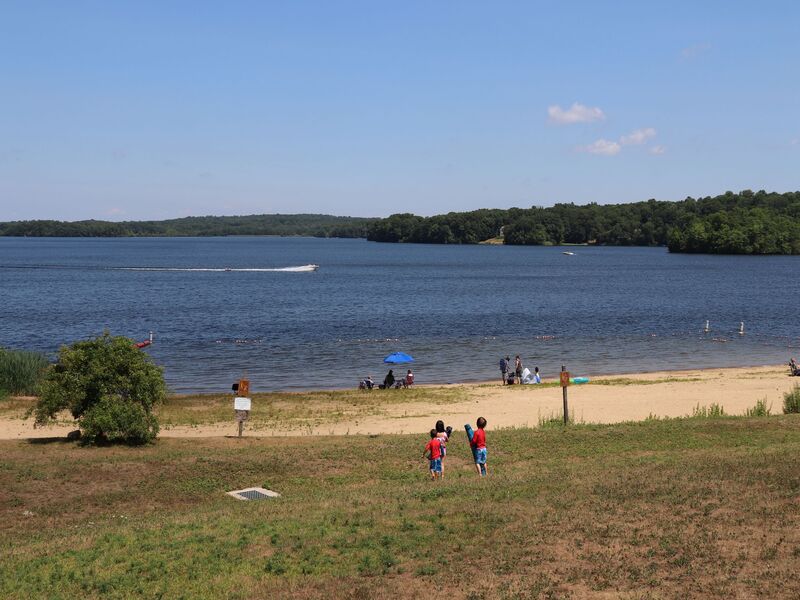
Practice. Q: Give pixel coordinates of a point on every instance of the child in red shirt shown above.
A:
(433, 451)
(479, 443)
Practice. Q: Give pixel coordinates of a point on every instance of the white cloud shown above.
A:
(695, 50)
(577, 113)
(657, 150)
(603, 147)
(637, 137)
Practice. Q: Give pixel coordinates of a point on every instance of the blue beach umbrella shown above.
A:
(398, 358)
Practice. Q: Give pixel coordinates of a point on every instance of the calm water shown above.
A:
(455, 309)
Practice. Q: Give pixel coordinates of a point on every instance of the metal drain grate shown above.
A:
(254, 493)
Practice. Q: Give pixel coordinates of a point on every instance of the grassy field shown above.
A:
(704, 508)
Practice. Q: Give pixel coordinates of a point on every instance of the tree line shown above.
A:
(286, 225)
(744, 223)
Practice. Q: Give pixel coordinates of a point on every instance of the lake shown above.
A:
(456, 309)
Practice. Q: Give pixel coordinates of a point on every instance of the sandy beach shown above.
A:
(607, 399)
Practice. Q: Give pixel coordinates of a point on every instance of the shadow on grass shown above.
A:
(52, 440)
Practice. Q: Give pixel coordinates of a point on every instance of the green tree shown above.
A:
(109, 385)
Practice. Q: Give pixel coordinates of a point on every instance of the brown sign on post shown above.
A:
(244, 388)
(564, 378)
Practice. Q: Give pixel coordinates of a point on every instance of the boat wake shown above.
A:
(300, 269)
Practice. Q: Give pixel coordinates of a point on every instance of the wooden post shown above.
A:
(241, 424)
(564, 391)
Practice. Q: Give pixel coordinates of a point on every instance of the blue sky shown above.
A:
(150, 110)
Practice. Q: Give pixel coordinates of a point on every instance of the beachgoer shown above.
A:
(443, 434)
(536, 377)
(504, 368)
(433, 452)
(518, 368)
(388, 381)
(479, 443)
(793, 366)
(409, 379)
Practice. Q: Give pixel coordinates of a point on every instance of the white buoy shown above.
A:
(741, 328)
(707, 328)
(151, 337)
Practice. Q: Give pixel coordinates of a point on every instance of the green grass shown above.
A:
(21, 372)
(759, 410)
(287, 410)
(708, 412)
(658, 509)
(791, 401)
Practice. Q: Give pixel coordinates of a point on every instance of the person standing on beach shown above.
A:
(479, 443)
(504, 368)
(443, 434)
(518, 368)
(433, 452)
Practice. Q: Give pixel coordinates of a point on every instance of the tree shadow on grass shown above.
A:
(44, 441)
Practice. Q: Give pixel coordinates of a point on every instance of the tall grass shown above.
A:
(708, 412)
(760, 409)
(791, 401)
(21, 372)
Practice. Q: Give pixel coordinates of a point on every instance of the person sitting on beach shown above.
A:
(366, 384)
(794, 368)
(408, 380)
(536, 377)
(388, 381)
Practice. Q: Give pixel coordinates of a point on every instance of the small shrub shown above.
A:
(553, 420)
(791, 401)
(708, 412)
(759, 410)
(21, 372)
(109, 386)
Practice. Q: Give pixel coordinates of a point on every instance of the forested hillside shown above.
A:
(744, 223)
(309, 225)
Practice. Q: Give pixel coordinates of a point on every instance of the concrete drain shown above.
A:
(254, 493)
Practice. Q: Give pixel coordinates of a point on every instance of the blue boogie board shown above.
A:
(471, 433)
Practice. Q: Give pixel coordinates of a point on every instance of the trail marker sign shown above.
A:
(241, 407)
(564, 378)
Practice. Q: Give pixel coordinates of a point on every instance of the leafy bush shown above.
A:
(117, 421)
(759, 410)
(791, 401)
(21, 372)
(109, 385)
